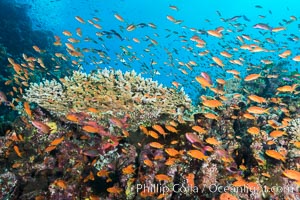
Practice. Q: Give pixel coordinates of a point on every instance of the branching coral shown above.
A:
(110, 93)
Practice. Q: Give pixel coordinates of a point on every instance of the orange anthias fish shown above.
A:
(218, 61)
(212, 141)
(220, 81)
(156, 145)
(257, 99)
(172, 152)
(170, 161)
(199, 129)
(296, 58)
(103, 173)
(276, 155)
(254, 186)
(162, 177)
(57, 141)
(226, 54)
(171, 129)
(287, 88)
(211, 116)
(144, 129)
(159, 129)
(252, 77)
(257, 110)
(131, 27)
(153, 134)
(148, 162)
(197, 154)
(248, 116)
(277, 29)
(50, 148)
(118, 17)
(67, 33)
(170, 18)
(173, 7)
(16, 148)
(27, 109)
(292, 174)
(190, 179)
(215, 33)
(239, 183)
(37, 49)
(232, 71)
(128, 170)
(61, 183)
(90, 129)
(227, 196)
(89, 177)
(203, 82)
(73, 117)
(285, 54)
(80, 19)
(277, 133)
(212, 103)
(114, 190)
(253, 130)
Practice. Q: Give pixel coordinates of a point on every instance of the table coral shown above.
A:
(109, 93)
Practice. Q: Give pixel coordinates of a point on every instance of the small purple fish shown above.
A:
(41, 126)
(91, 152)
(193, 138)
(262, 26)
(234, 170)
(287, 79)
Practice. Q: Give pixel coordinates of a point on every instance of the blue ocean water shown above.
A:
(58, 16)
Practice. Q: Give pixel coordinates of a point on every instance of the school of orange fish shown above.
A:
(237, 139)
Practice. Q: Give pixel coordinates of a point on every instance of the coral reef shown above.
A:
(116, 135)
(89, 151)
(109, 93)
(293, 130)
(233, 86)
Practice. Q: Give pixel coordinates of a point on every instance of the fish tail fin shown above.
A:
(267, 111)
(294, 86)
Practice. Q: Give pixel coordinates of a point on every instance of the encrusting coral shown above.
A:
(108, 93)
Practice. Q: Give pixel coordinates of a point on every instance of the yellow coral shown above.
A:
(53, 127)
